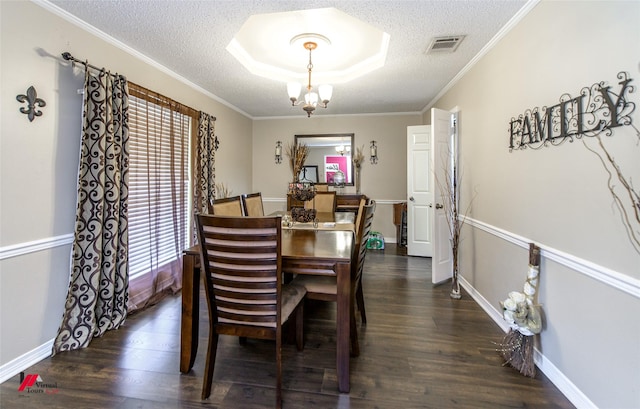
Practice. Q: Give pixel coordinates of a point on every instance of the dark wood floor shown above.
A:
(420, 349)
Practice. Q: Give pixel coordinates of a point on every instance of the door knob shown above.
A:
(439, 206)
(412, 199)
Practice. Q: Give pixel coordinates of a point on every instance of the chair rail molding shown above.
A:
(20, 249)
(603, 274)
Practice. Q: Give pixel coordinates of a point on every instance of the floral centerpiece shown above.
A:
(302, 215)
(302, 192)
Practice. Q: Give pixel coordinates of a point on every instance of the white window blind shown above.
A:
(158, 182)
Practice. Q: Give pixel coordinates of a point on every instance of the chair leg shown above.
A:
(279, 372)
(299, 324)
(210, 364)
(360, 301)
(355, 345)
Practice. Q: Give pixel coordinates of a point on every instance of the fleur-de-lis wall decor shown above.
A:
(32, 101)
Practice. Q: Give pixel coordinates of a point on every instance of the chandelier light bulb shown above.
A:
(325, 91)
(293, 89)
(311, 98)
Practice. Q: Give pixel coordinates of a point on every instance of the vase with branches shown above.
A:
(358, 158)
(297, 154)
(222, 191)
(450, 192)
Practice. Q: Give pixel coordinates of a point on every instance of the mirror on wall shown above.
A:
(328, 153)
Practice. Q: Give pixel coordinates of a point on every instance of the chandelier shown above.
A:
(311, 98)
(341, 149)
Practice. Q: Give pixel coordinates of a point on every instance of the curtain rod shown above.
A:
(67, 56)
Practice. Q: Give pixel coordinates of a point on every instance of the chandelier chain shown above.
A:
(310, 100)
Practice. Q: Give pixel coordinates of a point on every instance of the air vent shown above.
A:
(444, 44)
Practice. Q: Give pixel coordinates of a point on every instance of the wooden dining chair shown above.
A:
(325, 288)
(252, 204)
(242, 264)
(363, 229)
(322, 202)
(363, 202)
(228, 206)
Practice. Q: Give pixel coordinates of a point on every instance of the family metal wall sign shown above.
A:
(598, 109)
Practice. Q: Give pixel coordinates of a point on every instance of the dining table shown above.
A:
(324, 248)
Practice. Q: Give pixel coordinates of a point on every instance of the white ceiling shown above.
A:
(190, 38)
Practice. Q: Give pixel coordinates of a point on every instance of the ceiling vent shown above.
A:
(444, 44)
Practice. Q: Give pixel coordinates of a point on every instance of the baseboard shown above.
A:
(26, 360)
(568, 389)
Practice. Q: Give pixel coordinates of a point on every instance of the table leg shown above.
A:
(190, 312)
(343, 271)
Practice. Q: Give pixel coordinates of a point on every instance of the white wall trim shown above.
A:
(492, 43)
(124, 47)
(603, 274)
(568, 389)
(26, 360)
(416, 113)
(21, 249)
(46, 4)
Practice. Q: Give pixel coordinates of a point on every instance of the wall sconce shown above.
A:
(374, 153)
(278, 152)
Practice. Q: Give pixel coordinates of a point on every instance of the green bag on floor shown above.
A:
(375, 241)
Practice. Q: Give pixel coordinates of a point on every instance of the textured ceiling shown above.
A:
(190, 39)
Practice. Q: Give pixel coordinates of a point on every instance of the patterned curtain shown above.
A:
(204, 189)
(98, 291)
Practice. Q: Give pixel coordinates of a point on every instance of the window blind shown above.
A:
(159, 132)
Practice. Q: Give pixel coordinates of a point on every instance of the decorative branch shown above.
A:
(629, 203)
(297, 156)
(222, 191)
(358, 157)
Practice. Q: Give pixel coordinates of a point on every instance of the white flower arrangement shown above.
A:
(519, 310)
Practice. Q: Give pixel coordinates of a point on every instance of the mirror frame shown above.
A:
(345, 136)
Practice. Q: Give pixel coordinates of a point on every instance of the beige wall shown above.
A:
(39, 162)
(37, 222)
(385, 182)
(556, 196)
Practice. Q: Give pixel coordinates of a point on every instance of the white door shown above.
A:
(444, 147)
(419, 191)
